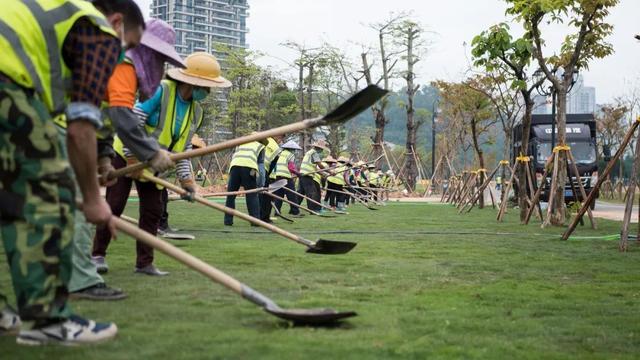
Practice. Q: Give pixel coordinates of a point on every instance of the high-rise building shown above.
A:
(202, 24)
(581, 100)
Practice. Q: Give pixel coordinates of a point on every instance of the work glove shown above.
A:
(161, 161)
(131, 160)
(104, 169)
(189, 185)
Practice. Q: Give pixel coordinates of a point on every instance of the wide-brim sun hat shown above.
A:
(202, 70)
(329, 159)
(161, 37)
(344, 159)
(320, 144)
(292, 145)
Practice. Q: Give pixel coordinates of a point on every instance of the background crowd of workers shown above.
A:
(84, 92)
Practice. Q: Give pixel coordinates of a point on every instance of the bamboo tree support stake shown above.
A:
(553, 189)
(583, 194)
(505, 197)
(628, 209)
(529, 175)
(536, 197)
(601, 179)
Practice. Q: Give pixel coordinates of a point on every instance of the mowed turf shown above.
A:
(425, 281)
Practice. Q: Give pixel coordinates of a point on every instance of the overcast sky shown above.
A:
(453, 22)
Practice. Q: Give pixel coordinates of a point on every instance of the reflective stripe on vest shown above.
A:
(164, 131)
(270, 152)
(282, 165)
(246, 155)
(32, 33)
(338, 178)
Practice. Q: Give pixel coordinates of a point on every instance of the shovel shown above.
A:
(355, 196)
(272, 187)
(322, 316)
(321, 246)
(307, 198)
(300, 206)
(345, 111)
(279, 214)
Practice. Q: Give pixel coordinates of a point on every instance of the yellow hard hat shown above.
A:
(202, 70)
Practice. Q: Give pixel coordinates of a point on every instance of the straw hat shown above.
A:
(344, 160)
(389, 172)
(359, 163)
(329, 159)
(371, 166)
(321, 144)
(202, 70)
(197, 141)
(292, 145)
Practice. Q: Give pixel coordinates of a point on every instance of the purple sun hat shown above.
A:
(161, 37)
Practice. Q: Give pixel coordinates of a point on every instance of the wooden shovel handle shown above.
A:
(232, 212)
(179, 255)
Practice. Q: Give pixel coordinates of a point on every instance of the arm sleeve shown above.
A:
(132, 133)
(151, 108)
(184, 169)
(292, 168)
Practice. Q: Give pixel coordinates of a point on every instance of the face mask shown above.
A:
(199, 94)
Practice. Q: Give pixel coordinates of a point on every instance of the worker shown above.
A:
(310, 182)
(374, 180)
(86, 282)
(243, 171)
(271, 155)
(337, 182)
(47, 70)
(172, 115)
(332, 183)
(285, 168)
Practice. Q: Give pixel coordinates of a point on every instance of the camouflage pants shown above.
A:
(36, 205)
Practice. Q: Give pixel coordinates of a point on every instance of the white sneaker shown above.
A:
(9, 321)
(74, 331)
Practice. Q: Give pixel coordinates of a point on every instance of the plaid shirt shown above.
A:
(91, 55)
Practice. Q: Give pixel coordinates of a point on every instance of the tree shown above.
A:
(474, 111)
(409, 35)
(497, 51)
(388, 61)
(586, 42)
(611, 129)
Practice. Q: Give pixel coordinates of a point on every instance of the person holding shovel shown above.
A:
(271, 155)
(144, 65)
(54, 64)
(285, 168)
(311, 180)
(172, 116)
(243, 171)
(336, 182)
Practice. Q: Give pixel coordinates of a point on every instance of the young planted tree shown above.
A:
(388, 60)
(586, 41)
(496, 51)
(474, 110)
(409, 36)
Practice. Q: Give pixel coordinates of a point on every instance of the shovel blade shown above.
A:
(277, 185)
(314, 317)
(356, 104)
(330, 247)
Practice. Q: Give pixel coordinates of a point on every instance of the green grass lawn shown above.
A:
(426, 282)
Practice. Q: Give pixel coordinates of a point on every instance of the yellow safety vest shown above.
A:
(270, 152)
(31, 37)
(373, 178)
(164, 131)
(282, 165)
(246, 155)
(338, 178)
(307, 166)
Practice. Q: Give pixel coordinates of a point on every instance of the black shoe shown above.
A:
(225, 224)
(99, 292)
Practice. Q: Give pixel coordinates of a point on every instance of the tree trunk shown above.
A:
(558, 212)
(522, 177)
(411, 166)
(480, 154)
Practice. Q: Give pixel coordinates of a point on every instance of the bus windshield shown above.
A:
(583, 152)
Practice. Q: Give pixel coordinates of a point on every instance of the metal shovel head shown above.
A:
(315, 317)
(330, 247)
(277, 185)
(356, 104)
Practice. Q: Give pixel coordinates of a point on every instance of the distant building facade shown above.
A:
(201, 25)
(581, 100)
